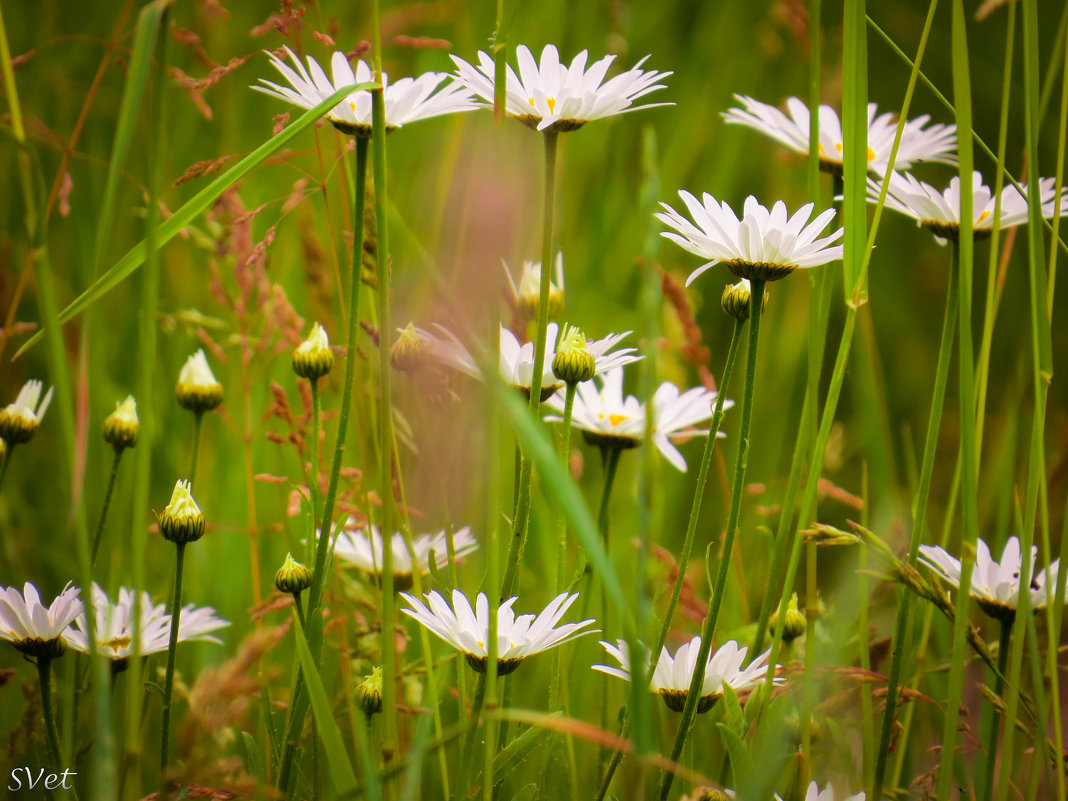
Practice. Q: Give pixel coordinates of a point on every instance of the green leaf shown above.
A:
(341, 772)
(519, 749)
(741, 761)
(135, 257)
(252, 759)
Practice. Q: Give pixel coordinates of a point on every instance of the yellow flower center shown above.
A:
(615, 419)
(871, 155)
(352, 105)
(551, 103)
(118, 643)
(982, 218)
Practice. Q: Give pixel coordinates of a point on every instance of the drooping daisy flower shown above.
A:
(520, 637)
(198, 390)
(525, 292)
(20, 420)
(608, 419)
(936, 143)
(672, 675)
(940, 211)
(826, 794)
(766, 245)
(517, 361)
(365, 553)
(33, 628)
(549, 96)
(995, 585)
(407, 100)
(115, 629)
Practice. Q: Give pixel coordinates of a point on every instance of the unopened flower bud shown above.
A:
(795, 624)
(197, 389)
(410, 352)
(710, 794)
(573, 362)
(182, 521)
(736, 300)
(20, 420)
(122, 426)
(313, 358)
(292, 576)
(527, 293)
(369, 693)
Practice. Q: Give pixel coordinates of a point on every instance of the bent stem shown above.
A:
(903, 623)
(522, 516)
(107, 503)
(172, 647)
(708, 628)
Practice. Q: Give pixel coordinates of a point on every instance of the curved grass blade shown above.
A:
(135, 257)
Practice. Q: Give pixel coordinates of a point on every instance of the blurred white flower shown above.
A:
(826, 794)
(939, 211)
(407, 100)
(672, 675)
(767, 245)
(20, 420)
(467, 629)
(936, 143)
(517, 361)
(365, 552)
(551, 96)
(607, 418)
(995, 585)
(33, 628)
(525, 293)
(115, 628)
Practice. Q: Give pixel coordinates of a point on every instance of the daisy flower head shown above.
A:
(20, 420)
(919, 142)
(115, 627)
(608, 419)
(364, 552)
(939, 211)
(995, 585)
(551, 96)
(765, 245)
(198, 390)
(122, 426)
(518, 637)
(525, 293)
(814, 793)
(517, 361)
(673, 674)
(407, 100)
(33, 628)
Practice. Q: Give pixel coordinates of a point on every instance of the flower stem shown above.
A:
(702, 480)
(299, 604)
(107, 502)
(313, 474)
(522, 517)
(708, 628)
(902, 641)
(986, 774)
(565, 459)
(199, 418)
(5, 462)
(172, 647)
(44, 671)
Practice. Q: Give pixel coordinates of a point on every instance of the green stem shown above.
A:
(903, 621)
(989, 758)
(313, 474)
(522, 517)
(199, 417)
(689, 711)
(467, 754)
(107, 503)
(299, 604)
(172, 647)
(299, 706)
(5, 462)
(44, 671)
(565, 459)
(702, 480)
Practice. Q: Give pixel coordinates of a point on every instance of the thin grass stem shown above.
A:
(172, 649)
(107, 503)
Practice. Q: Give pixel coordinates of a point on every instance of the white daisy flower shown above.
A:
(20, 420)
(526, 292)
(520, 637)
(939, 211)
(407, 100)
(936, 143)
(995, 585)
(553, 97)
(608, 419)
(517, 361)
(33, 628)
(826, 794)
(365, 553)
(115, 631)
(768, 245)
(672, 675)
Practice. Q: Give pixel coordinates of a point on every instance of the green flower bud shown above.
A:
(20, 420)
(737, 298)
(292, 576)
(197, 389)
(795, 624)
(313, 358)
(369, 693)
(122, 426)
(410, 352)
(182, 521)
(573, 362)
